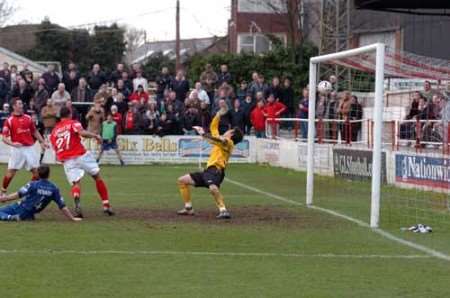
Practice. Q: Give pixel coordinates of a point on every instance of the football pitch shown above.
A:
(273, 246)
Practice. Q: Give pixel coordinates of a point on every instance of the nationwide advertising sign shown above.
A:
(356, 164)
(422, 170)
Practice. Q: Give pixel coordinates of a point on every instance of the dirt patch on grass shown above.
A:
(243, 215)
(247, 215)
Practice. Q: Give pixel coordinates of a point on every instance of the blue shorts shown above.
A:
(109, 146)
(15, 209)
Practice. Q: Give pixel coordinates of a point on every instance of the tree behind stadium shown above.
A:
(103, 44)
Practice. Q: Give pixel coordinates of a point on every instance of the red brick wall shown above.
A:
(268, 23)
(240, 22)
(20, 38)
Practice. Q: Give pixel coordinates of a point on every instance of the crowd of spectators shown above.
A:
(170, 105)
(428, 116)
(167, 106)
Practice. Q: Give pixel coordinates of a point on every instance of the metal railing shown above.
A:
(420, 134)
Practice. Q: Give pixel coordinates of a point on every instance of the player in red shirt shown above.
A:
(273, 110)
(20, 133)
(66, 141)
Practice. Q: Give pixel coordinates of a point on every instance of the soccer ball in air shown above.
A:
(324, 87)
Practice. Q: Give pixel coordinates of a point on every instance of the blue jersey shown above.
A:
(36, 195)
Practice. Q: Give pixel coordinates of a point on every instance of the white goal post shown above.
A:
(379, 50)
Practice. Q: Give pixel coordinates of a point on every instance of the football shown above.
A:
(324, 87)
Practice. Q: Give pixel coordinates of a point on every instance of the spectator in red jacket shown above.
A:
(258, 119)
(130, 119)
(273, 110)
(139, 96)
(117, 117)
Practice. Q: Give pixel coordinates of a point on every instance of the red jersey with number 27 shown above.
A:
(66, 141)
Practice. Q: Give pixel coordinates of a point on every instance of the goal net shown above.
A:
(383, 132)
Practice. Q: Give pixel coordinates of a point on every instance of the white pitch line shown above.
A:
(273, 196)
(384, 234)
(337, 214)
(208, 253)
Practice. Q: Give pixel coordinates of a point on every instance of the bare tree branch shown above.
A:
(290, 8)
(134, 38)
(7, 10)
(275, 6)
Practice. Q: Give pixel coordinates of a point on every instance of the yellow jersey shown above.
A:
(221, 151)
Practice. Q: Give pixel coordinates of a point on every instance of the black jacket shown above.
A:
(275, 90)
(25, 95)
(191, 118)
(115, 76)
(181, 88)
(129, 85)
(248, 107)
(224, 77)
(238, 118)
(96, 80)
(51, 81)
(125, 92)
(356, 111)
(225, 123)
(287, 98)
(70, 83)
(4, 91)
(163, 82)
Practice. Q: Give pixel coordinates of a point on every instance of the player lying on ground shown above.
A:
(66, 140)
(214, 174)
(20, 133)
(34, 197)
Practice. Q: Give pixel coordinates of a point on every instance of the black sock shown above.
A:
(77, 202)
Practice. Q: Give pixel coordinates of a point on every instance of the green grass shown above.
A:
(139, 253)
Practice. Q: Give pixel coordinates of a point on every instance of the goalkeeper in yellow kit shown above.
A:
(214, 173)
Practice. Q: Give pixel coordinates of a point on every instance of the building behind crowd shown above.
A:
(188, 47)
(15, 59)
(425, 35)
(251, 21)
(19, 38)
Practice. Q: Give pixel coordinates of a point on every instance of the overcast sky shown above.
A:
(199, 18)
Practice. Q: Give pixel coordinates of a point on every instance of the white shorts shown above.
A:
(75, 167)
(23, 157)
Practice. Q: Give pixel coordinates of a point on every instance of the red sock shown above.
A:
(6, 181)
(76, 191)
(103, 192)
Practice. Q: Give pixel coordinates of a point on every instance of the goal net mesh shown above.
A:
(415, 156)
